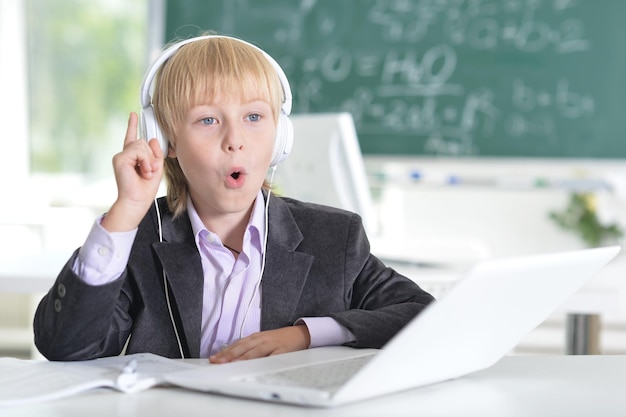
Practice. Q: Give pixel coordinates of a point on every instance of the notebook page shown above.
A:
(24, 381)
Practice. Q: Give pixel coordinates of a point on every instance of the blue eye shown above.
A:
(207, 121)
(254, 117)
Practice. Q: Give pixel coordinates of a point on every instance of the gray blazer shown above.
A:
(318, 263)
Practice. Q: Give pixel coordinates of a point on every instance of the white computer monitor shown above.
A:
(326, 166)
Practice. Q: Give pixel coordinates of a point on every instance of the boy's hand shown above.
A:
(269, 342)
(138, 171)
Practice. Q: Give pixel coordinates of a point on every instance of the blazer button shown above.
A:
(57, 305)
(61, 290)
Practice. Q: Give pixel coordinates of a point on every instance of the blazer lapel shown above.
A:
(285, 269)
(182, 266)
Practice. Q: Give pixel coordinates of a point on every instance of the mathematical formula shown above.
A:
(416, 88)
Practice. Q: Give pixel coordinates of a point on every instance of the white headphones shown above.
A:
(150, 128)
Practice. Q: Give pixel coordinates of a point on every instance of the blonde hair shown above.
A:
(200, 72)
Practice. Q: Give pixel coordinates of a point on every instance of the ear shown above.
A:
(171, 150)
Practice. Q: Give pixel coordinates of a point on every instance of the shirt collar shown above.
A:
(255, 230)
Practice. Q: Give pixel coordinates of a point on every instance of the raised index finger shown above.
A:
(131, 131)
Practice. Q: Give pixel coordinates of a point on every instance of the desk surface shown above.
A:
(517, 386)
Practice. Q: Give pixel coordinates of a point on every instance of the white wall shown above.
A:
(500, 205)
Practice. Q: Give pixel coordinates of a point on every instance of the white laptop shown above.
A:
(476, 323)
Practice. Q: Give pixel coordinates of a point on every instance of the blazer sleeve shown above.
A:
(77, 321)
(381, 301)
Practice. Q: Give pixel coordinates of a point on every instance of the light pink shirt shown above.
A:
(231, 297)
(232, 287)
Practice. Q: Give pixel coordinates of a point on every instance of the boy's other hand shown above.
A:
(266, 343)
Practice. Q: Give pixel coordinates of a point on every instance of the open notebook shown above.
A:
(479, 321)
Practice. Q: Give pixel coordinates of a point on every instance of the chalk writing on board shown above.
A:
(415, 91)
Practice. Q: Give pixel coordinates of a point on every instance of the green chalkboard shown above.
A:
(502, 78)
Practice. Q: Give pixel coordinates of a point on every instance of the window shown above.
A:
(85, 62)
(70, 72)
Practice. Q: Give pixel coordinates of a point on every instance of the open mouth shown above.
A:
(236, 177)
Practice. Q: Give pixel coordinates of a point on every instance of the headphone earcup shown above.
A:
(149, 128)
(283, 141)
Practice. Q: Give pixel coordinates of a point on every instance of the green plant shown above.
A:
(580, 217)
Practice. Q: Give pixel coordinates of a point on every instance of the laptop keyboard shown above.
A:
(326, 375)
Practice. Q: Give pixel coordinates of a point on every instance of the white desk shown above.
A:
(517, 386)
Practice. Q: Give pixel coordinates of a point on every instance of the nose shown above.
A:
(233, 138)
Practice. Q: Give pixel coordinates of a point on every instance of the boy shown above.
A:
(220, 268)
